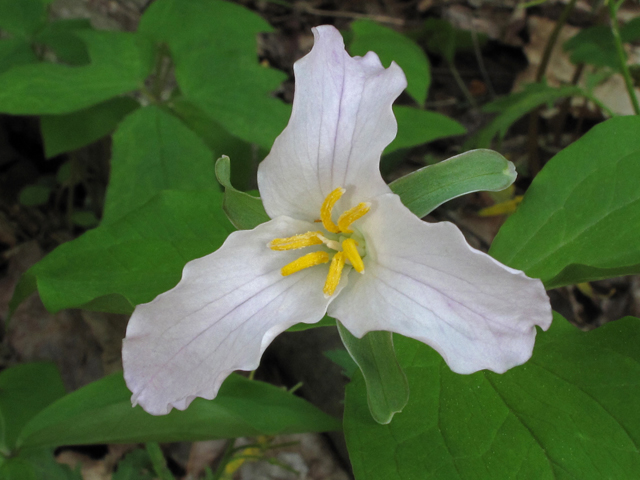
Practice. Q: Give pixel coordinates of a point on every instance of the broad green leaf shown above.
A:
(24, 391)
(14, 52)
(580, 218)
(38, 464)
(64, 133)
(393, 46)
(61, 38)
(101, 412)
(568, 413)
(477, 170)
(120, 62)
(243, 210)
(442, 38)
(516, 105)
(133, 259)
(416, 127)
(326, 321)
(386, 384)
(154, 151)
(216, 64)
(22, 18)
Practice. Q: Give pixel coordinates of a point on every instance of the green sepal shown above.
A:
(387, 385)
(477, 170)
(243, 210)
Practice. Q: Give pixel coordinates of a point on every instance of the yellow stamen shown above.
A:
(350, 250)
(306, 261)
(351, 215)
(335, 271)
(327, 207)
(297, 241)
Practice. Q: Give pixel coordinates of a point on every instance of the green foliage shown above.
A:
(393, 46)
(22, 18)
(34, 195)
(14, 52)
(567, 413)
(24, 391)
(38, 464)
(386, 383)
(216, 67)
(416, 127)
(135, 466)
(516, 105)
(130, 260)
(478, 170)
(64, 133)
(243, 210)
(60, 37)
(120, 62)
(101, 413)
(445, 40)
(580, 218)
(154, 151)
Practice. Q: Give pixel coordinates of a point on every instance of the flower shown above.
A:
(374, 267)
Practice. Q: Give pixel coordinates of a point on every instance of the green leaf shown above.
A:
(516, 105)
(64, 133)
(393, 46)
(101, 412)
(216, 64)
(326, 321)
(134, 466)
(567, 413)
(243, 210)
(22, 17)
(24, 391)
(595, 46)
(385, 381)
(85, 219)
(14, 52)
(133, 259)
(416, 127)
(34, 195)
(343, 359)
(37, 464)
(426, 189)
(580, 218)
(154, 151)
(120, 62)
(61, 38)
(158, 461)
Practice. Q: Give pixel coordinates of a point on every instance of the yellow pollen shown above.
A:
(351, 215)
(335, 272)
(350, 250)
(306, 261)
(327, 207)
(297, 241)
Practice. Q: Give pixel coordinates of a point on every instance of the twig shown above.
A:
(613, 10)
(532, 141)
(483, 69)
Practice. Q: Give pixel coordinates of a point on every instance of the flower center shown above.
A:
(347, 243)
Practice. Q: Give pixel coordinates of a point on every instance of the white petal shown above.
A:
(222, 315)
(340, 124)
(424, 281)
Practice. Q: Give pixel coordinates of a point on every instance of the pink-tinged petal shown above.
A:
(222, 315)
(340, 124)
(424, 281)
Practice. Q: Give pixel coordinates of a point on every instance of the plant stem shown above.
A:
(613, 10)
(532, 141)
(226, 456)
(461, 85)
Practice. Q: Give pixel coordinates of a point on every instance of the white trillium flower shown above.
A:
(339, 242)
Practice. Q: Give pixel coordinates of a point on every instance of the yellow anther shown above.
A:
(335, 272)
(327, 207)
(350, 250)
(306, 261)
(297, 241)
(351, 215)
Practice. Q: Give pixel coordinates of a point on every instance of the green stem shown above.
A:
(458, 78)
(226, 457)
(613, 10)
